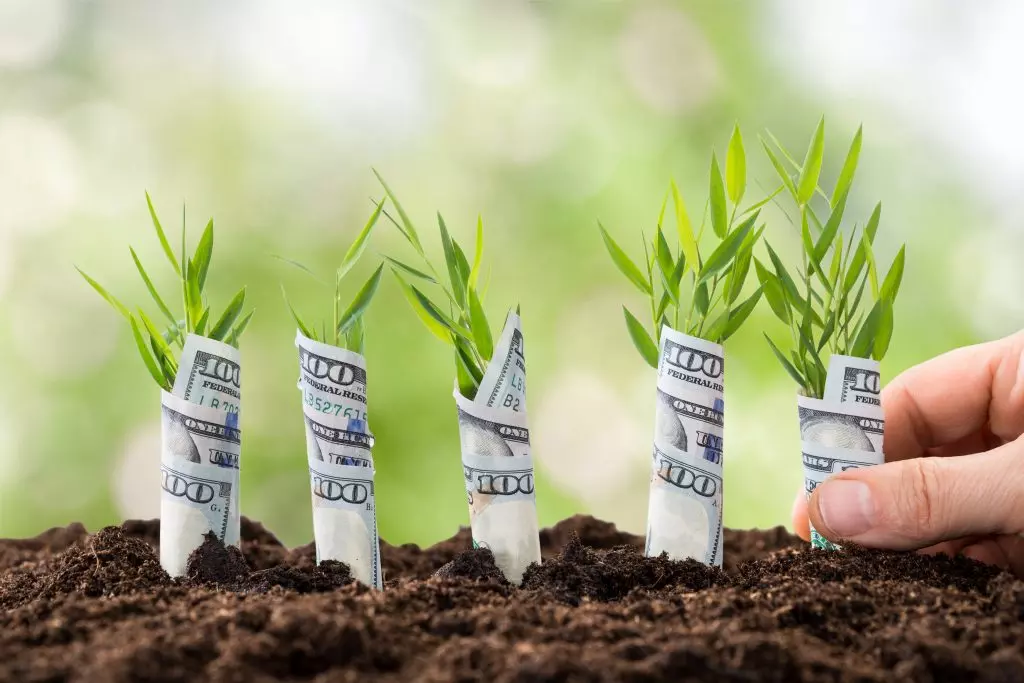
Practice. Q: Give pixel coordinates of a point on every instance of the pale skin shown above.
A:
(953, 481)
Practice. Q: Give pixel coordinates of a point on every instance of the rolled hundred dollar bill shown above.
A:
(843, 430)
(338, 452)
(496, 461)
(332, 380)
(210, 375)
(684, 516)
(199, 478)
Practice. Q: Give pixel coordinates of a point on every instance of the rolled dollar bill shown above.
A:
(845, 429)
(338, 453)
(209, 374)
(684, 516)
(199, 479)
(496, 461)
(332, 380)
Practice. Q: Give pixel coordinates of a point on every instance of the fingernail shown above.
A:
(846, 507)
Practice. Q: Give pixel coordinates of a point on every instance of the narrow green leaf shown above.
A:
(726, 251)
(406, 228)
(359, 245)
(739, 315)
(239, 328)
(439, 316)
(859, 256)
(193, 294)
(439, 329)
(790, 368)
(864, 342)
(666, 267)
(204, 318)
(361, 301)
(300, 266)
(107, 296)
(641, 339)
(701, 299)
(466, 372)
(222, 327)
(869, 256)
(812, 165)
(303, 327)
(687, 240)
(787, 180)
(203, 255)
(624, 264)
(891, 285)
(827, 331)
(152, 290)
(773, 291)
(736, 166)
(828, 233)
(845, 180)
(409, 270)
(884, 333)
(785, 279)
(147, 357)
(479, 325)
(160, 235)
(757, 205)
(450, 259)
(160, 346)
(741, 266)
(478, 253)
(719, 209)
(461, 261)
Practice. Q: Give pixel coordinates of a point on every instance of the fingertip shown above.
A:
(801, 523)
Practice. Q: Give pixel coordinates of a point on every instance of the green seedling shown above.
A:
(826, 306)
(689, 290)
(156, 342)
(459, 318)
(347, 329)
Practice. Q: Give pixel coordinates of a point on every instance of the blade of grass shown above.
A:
(361, 301)
(641, 339)
(359, 245)
(624, 263)
(223, 326)
(107, 296)
(161, 236)
(152, 290)
(147, 357)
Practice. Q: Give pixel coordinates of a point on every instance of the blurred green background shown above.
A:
(542, 117)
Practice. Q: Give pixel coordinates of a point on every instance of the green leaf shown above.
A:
(787, 180)
(845, 180)
(859, 256)
(719, 209)
(300, 266)
(204, 318)
(450, 259)
(641, 339)
(736, 166)
(147, 357)
(701, 299)
(359, 245)
(785, 279)
(865, 339)
(869, 256)
(107, 296)
(193, 294)
(466, 372)
(406, 228)
(828, 233)
(162, 236)
(160, 346)
(481, 329)
(666, 267)
(204, 252)
(461, 261)
(773, 291)
(478, 253)
(812, 165)
(827, 331)
(361, 301)
(222, 327)
(757, 205)
(303, 327)
(152, 290)
(891, 285)
(739, 315)
(723, 255)
(409, 270)
(687, 241)
(239, 328)
(438, 329)
(439, 316)
(790, 368)
(884, 333)
(624, 264)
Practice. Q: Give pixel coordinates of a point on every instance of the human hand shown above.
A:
(953, 480)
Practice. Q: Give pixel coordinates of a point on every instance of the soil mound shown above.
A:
(82, 608)
(581, 573)
(474, 565)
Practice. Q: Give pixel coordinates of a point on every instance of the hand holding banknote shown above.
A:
(954, 480)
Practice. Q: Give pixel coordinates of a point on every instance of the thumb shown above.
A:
(916, 503)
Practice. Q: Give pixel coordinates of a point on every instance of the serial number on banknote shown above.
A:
(218, 404)
(331, 408)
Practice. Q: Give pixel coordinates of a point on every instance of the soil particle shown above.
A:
(80, 608)
(215, 563)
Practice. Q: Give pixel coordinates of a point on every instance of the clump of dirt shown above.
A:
(476, 564)
(82, 608)
(581, 573)
(215, 563)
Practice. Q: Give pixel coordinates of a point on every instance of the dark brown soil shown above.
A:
(80, 607)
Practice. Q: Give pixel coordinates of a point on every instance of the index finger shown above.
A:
(955, 395)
